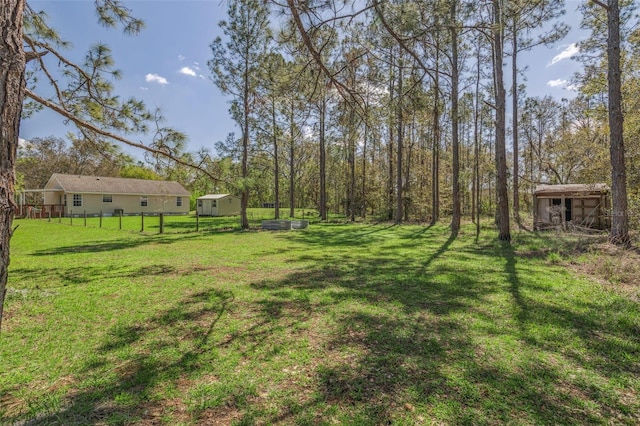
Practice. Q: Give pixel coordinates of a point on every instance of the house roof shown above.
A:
(572, 189)
(111, 185)
(214, 196)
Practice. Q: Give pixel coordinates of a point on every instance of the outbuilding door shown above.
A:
(557, 202)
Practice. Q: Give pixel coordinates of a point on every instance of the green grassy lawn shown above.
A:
(335, 324)
(180, 223)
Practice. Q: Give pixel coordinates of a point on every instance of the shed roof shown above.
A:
(214, 196)
(572, 189)
(112, 185)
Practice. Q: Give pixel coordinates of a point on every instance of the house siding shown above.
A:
(93, 204)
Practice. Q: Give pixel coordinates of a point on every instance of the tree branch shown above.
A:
(344, 91)
(601, 4)
(402, 43)
(88, 126)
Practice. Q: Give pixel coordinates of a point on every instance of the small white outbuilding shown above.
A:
(218, 205)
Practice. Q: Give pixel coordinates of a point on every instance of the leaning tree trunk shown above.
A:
(619, 221)
(12, 83)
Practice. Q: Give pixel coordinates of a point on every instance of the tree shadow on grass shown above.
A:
(606, 331)
(435, 338)
(414, 341)
(113, 245)
(170, 345)
(42, 278)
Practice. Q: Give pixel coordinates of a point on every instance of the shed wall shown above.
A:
(226, 206)
(229, 206)
(590, 211)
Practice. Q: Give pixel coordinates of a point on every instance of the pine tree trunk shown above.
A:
(276, 159)
(12, 83)
(244, 199)
(516, 171)
(323, 174)
(502, 206)
(400, 136)
(455, 142)
(476, 149)
(364, 161)
(435, 151)
(352, 164)
(292, 166)
(390, 147)
(619, 221)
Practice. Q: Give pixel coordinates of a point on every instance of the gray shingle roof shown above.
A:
(213, 196)
(110, 185)
(574, 188)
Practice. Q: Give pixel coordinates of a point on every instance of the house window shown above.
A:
(77, 200)
(179, 201)
(107, 198)
(65, 200)
(199, 203)
(214, 203)
(143, 201)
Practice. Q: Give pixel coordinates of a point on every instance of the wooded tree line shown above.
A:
(394, 110)
(398, 110)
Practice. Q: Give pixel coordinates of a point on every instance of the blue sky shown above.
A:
(166, 64)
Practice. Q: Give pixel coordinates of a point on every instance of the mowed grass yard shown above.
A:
(335, 324)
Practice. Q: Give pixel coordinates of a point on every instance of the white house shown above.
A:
(73, 194)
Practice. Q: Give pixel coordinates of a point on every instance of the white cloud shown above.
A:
(155, 78)
(573, 88)
(187, 71)
(556, 83)
(567, 53)
(181, 58)
(144, 88)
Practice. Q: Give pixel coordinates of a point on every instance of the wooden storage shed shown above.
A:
(218, 205)
(585, 205)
